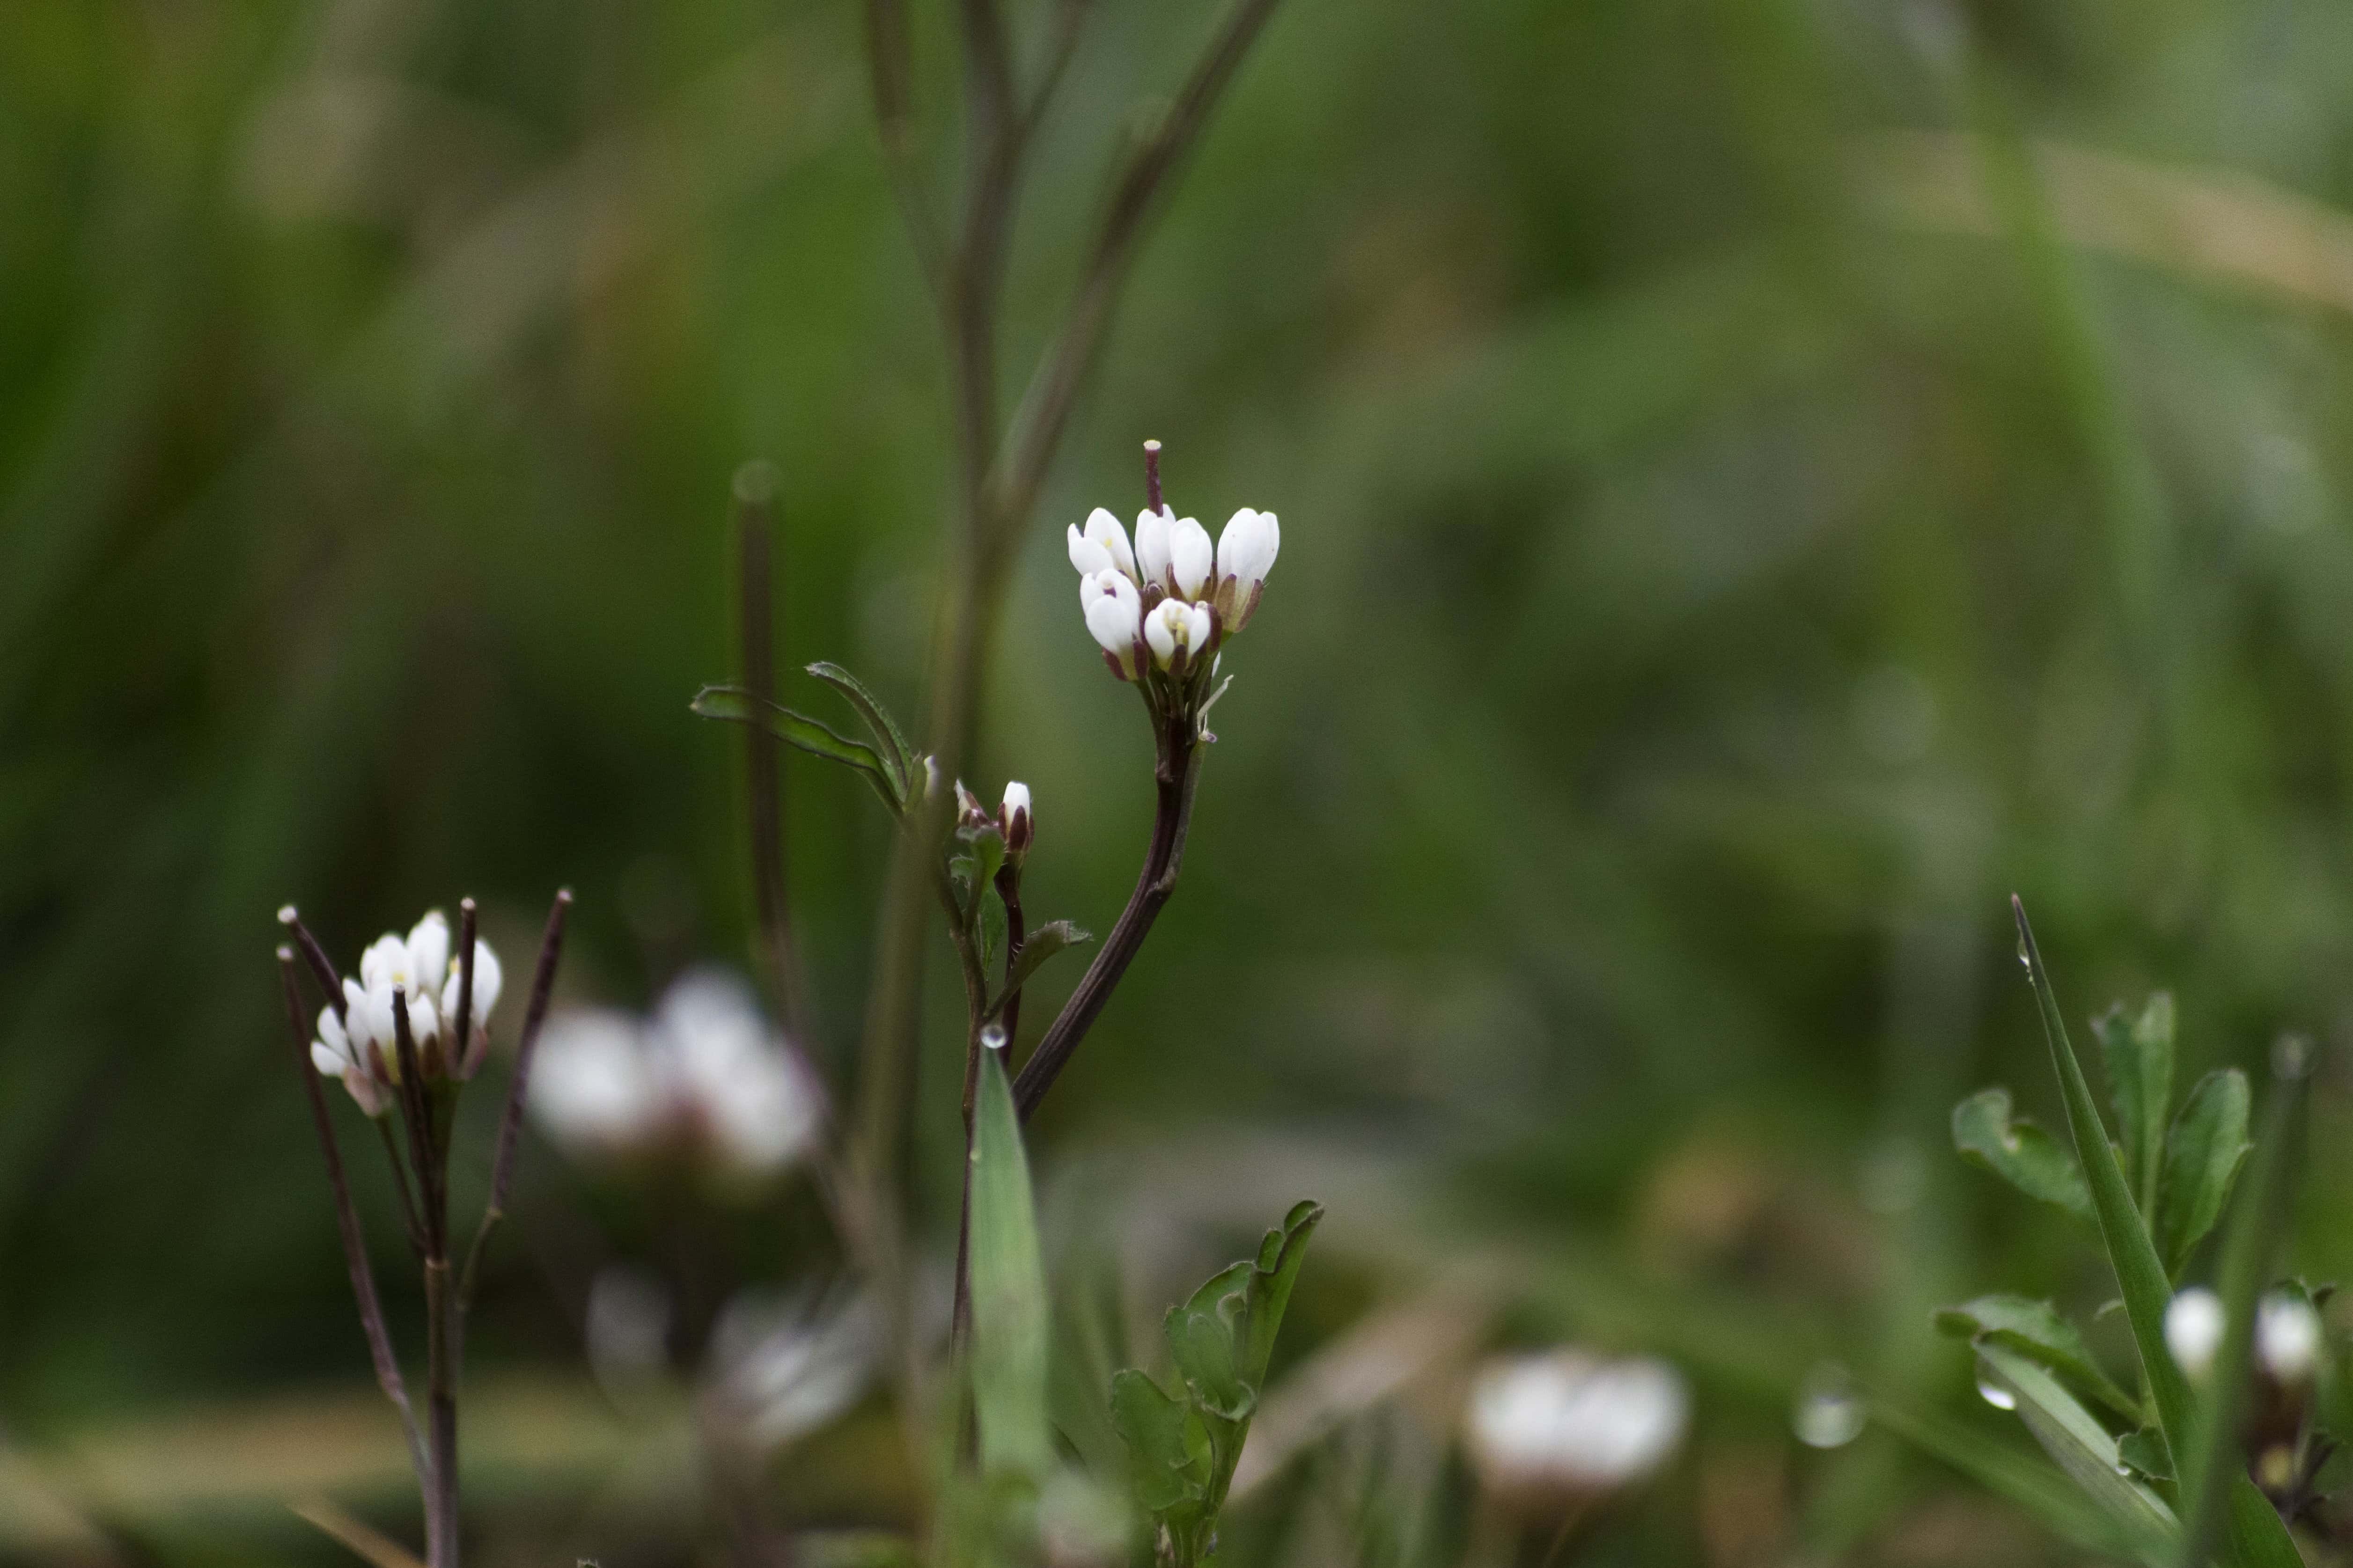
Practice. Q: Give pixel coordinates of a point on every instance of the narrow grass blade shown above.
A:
(2140, 1274)
(1010, 1308)
(2082, 1448)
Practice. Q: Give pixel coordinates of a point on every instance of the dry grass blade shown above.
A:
(380, 1549)
(2219, 222)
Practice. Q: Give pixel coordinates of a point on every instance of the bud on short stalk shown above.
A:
(1014, 820)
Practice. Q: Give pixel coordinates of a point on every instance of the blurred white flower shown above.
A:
(2193, 1329)
(1566, 1425)
(706, 1075)
(2288, 1338)
(362, 1048)
(782, 1368)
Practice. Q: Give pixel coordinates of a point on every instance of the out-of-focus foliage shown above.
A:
(1761, 478)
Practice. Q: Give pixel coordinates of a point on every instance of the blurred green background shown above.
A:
(1761, 478)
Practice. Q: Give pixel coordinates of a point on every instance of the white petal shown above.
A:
(423, 1019)
(327, 1061)
(331, 1036)
(1017, 797)
(1235, 543)
(428, 951)
(1152, 546)
(1105, 529)
(357, 1018)
(487, 981)
(1196, 626)
(385, 961)
(1191, 557)
(1112, 610)
(1087, 556)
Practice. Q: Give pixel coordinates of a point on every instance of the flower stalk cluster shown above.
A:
(404, 1038)
(1161, 609)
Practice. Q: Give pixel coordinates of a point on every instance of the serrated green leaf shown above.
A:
(1009, 1306)
(2202, 1155)
(2144, 1452)
(1166, 1443)
(984, 855)
(890, 741)
(1279, 1258)
(1201, 1337)
(1048, 941)
(2080, 1446)
(2035, 1328)
(736, 706)
(2019, 1151)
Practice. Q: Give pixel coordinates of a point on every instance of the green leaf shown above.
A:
(2082, 1448)
(990, 931)
(2035, 1328)
(1049, 940)
(1009, 1306)
(2258, 1535)
(2202, 1156)
(2144, 1452)
(1279, 1258)
(977, 867)
(2140, 1055)
(2019, 1151)
(2007, 1474)
(890, 741)
(2140, 1275)
(737, 706)
(1166, 1443)
(1203, 1337)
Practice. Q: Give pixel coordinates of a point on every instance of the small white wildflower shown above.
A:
(1176, 627)
(362, 1046)
(2287, 1337)
(1114, 612)
(1103, 547)
(2193, 1329)
(1568, 1424)
(784, 1367)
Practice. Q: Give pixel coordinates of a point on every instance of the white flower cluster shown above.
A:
(360, 1047)
(705, 1076)
(2288, 1337)
(1168, 602)
(1565, 1427)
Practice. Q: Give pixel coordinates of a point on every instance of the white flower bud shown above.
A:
(1191, 558)
(1114, 612)
(2287, 1337)
(2193, 1329)
(1246, 553)
(1175, 625)
(1013, 817)
(1152, 530)
(1102, 547)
